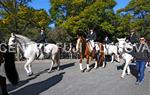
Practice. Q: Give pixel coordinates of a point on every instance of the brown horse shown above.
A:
(85, 52)
(8, 58)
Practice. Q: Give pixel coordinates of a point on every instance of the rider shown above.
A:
(42, 39)
(134, 37)
(91, 37)
(106, 42)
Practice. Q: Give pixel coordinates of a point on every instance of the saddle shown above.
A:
(94, 50)
(44, 44)
(41, 47)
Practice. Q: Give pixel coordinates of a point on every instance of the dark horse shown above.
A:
(8, 58)
(85, 52)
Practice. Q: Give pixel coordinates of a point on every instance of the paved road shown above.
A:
(70, 81)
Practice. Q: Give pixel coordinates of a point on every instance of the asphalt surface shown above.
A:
(70, 81)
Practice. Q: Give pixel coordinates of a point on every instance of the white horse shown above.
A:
(110, 49)
(31, 51)
(127, 57)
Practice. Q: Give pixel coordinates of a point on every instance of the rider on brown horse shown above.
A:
(91, 37)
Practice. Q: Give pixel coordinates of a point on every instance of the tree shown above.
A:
(16, 16)
(84, 14)
(140, 10)
(9, 10)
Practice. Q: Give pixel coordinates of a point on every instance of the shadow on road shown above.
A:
(23, 82)
(62, 67)
(10, 87)
(37, 88)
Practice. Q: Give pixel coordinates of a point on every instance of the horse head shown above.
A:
(80, 42)
(123, 45)
(12, 40)
(16, 38)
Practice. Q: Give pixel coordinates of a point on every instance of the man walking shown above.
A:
(141, 55)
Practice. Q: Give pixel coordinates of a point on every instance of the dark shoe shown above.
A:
(140, 83)
(137, 83)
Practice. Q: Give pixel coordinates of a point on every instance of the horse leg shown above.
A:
(30, 70)
(80, 63)
(128, 70)
(147, 65)
(87, 64)
(57, 58)
(58, 64)
(112, 58)
(118, 59)
(104, 62)
(95, 67)
(97, 60)
(3, 85)
(50, 69)
(52, 63)
(27, 66)
(124, 69)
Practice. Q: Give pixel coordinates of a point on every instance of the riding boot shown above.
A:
(3, 85)
(43, 50)
(93, 52)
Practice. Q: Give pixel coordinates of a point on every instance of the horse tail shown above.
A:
(10, 68)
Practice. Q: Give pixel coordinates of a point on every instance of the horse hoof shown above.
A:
(82, 71)
(122, 77)
(87, 70)
(49, 71)
(95, 68)
(128, 73)
(29, 74)
(58, 69)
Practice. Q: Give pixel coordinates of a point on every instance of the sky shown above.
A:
(45, 4)
(40, 4)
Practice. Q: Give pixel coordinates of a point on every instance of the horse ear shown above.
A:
(12, 34)
(117, 39)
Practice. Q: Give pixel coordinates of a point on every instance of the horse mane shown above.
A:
(83, 39)
(23, 37)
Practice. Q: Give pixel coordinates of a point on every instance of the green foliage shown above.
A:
(58, 35)
(16, 16)
(92, 14)
(71, 16)
(140, 11)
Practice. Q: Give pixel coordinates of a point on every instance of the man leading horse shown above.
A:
(8, 58)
